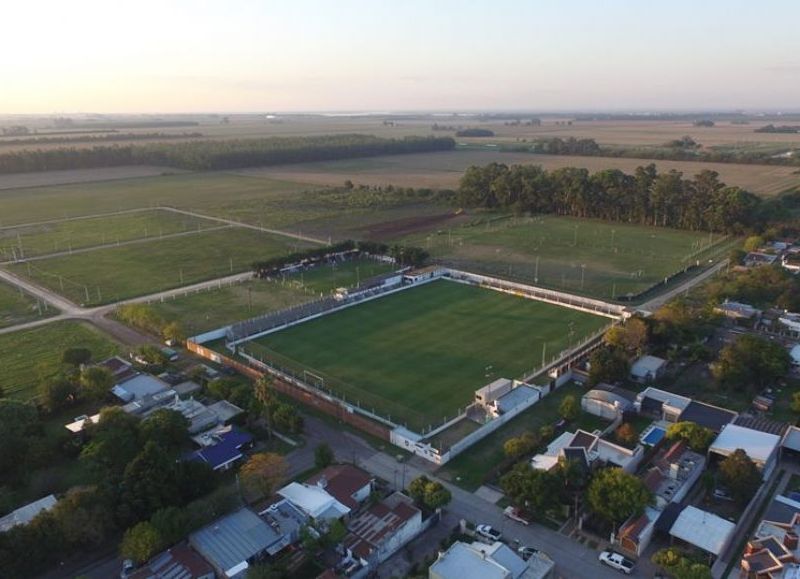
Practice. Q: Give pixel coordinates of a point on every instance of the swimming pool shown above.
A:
(653, 435)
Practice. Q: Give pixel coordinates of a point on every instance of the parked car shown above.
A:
(488, 532)
(128, 567)
(515, 514)
(526, 552)
(722, 494)
(617, 561)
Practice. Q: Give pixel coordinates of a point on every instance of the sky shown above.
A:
(170, 56)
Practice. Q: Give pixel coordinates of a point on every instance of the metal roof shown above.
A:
(702, 529)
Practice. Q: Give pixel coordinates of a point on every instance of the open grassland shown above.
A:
(443, 169)
(420, 354)
(113, 274)
(584, 256)
(17, 307)
(29, 357)
(202, 311)
(63, 236)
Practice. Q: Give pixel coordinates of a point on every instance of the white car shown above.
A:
(488, 532)
(617, 561)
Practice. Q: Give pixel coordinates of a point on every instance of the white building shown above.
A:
(314, 501)
(24, 515)
(761, 447)
(496, 561)
(703, 530)
(648, 368)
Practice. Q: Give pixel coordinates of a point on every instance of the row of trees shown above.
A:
(218, 155)
(110, 136)
(645, 197)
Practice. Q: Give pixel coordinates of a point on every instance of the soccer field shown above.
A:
(419, 355)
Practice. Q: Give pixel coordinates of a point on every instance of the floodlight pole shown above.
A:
(536, 273)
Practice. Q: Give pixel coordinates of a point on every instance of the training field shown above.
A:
(113, 274)
(419, 355)
(65, 236)
(597, 258)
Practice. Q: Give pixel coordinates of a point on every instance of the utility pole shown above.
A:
(536, 274)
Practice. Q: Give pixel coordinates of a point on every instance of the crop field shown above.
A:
(66, 236)
(202, 311)
(606, 260)
(17, 307)
(46, 178)
(444, 169)
(419, 355)
(113, 274)
(29, 357)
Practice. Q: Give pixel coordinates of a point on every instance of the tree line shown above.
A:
(646, 197)
(92, 138)
(219, 155)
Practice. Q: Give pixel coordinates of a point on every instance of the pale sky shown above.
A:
(129, 56)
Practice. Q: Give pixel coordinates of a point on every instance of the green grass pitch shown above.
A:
(420, 354)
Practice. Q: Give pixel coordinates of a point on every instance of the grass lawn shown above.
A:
(420, 354)
(578, 255)
(113, 274)
(202, 311)
(469, 468)
(69, 235)
(28, 357)
(17, 307)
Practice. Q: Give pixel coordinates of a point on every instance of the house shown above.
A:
(757, 259)
(761, 447)
(588, 449)
(380, 531)
(423, 274)
(607, 401)
(647, 369)
(180, 562)
(487, 395)
(737, 311)
(223, 448)
(703, 530)
(24, 515)
(790, 445)
(348, 484)
(314, 501)
(139, 386)
(790, 323)
(674, 473)
(791, 262)
(120, 368)
(496, 561)
(636, 533)
(707, 415)
(661, 404)
(200, 416)
(794, 355)
(773, 551)
(231, 544)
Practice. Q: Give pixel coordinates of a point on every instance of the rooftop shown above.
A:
(702, 529)
(138, 387)
(24, 515)
(314, 501)
(707, 415)
(647, 365)
(464, 561)
(376, 525)
(342, 481)
(517, 396)
(664, 397)
(180, 562)
(758, 445)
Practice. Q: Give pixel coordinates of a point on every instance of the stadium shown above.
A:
(419, 355)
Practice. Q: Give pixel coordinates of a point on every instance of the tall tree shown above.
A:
(263, 472)
(740, 474)
(615, 495)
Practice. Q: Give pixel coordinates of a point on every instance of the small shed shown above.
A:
(647, 369)
(703, 530)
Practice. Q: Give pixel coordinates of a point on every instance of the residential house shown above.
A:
(791, 262)
(24, 515)
(636, 533)
(661, 404)
(773, 551)
(707, 415)
(607, 401)
(738, 311)
(481, 561)
(179, 562)
(647, 369)
(138, 387)
(314, 501)
(762, 447)
(222, 447)
(120, 368)
(588, 449)
(703, 530)
(379, 532)
(757, 259)
(348, 484)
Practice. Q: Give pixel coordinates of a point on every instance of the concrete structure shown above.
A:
(761, 447)
(703, 530)
(607, 401)
(480, 561)
(379, 532)
(661, 404)
(24, 515)
(314, 502)
(138, 387)
(647, 369)
(234, 542)
(487, 395)
(348, 484)
(180, 562)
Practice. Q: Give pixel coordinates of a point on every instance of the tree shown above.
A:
(76, 356)
(428, 493)
(631, 337)
(84, 517)
(57, 393)
(169, 429)
(615, 495)
(753, 243)
(323, 455)
(625, 433)
(114, 442)
(751, 363)
(537, 491)
(140, 543)
(286, 418)
(607, 365)
(173, 332)
(569, 409)
(18, 422)
(263, 472)
(699, 438)
(152, 355)
(796, 402)
(740, 475)
(149, 483)
(518, 446)
(680, 566)
(96, 381)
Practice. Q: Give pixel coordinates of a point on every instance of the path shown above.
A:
(658, 301)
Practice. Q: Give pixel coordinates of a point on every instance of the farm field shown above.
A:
(199, 312)
(28, 357)
(420, 354)
(46, 178)
(606, 260)
(443, 169)
(18, 307)
(113, 274)
(62, 236)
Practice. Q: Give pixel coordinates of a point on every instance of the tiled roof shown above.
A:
(342, 481)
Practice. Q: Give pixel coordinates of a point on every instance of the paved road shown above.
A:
(658, 301)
